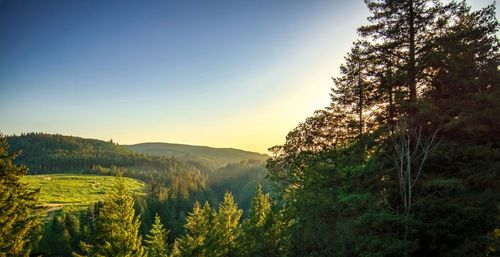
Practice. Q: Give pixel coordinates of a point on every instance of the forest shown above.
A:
(404, 161)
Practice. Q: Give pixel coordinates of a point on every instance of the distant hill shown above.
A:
(209, 155)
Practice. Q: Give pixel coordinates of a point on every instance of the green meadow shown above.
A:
(76, 191)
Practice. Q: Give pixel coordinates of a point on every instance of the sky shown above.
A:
(237, 74)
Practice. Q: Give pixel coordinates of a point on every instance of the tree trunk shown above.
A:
(360, 104)
(412, 84)
(360, 113)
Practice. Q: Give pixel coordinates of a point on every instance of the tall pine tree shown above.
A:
(198, 239)
(402, 31)
(156, 239)
(19, 219)
(227, 227)
(255, 239)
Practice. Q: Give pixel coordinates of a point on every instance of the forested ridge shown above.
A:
(404, 162)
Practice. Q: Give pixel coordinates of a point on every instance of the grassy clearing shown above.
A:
(76, 191)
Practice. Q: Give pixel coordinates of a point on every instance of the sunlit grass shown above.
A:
(76, 191)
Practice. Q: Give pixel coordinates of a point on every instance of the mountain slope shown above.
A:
(209, 155)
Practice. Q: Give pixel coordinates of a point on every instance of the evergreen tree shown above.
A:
(197, 241)
(402, 30)
(19, 219)
(462, 93)
(356, 89)
(463, 101)
(117, 226)
(258, 235)
(55, 233)
(156, 239)
(227, 227)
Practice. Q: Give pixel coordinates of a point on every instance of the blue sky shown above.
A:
(221, 73)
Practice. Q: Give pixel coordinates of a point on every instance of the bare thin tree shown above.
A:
(411, 150)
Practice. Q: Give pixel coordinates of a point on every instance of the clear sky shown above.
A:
(220, 73)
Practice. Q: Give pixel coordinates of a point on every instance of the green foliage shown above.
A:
(56, 153)
(45, 153)
(117, 226)
(433, 66)
(198, 240)
(210, 233)
(332, 210)
(464, 194)
(240, 179)
(174, 185)
(259, 210)
(63, 231)
(19, 218)
(156, 239)
(257, 237)
(227, 227)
